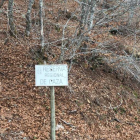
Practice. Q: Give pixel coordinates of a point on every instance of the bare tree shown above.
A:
(77, 30)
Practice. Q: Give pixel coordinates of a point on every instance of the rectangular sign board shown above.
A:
(51, 75)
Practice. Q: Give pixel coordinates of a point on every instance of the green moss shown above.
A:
(115, 110)
(117, 126)
(136, 118)
(57, 28)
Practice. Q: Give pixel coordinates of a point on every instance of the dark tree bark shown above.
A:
(28, 17)
(10, 17)
(41, 24)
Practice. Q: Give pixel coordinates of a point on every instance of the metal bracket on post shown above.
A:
(52, 113)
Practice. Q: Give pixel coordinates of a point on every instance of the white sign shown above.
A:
(51, 75)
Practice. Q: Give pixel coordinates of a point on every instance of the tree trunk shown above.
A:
(10, 17)
(41, 25)
(91, 14)
(83, 16)
(28, 17)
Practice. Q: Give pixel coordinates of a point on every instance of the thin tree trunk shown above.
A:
(91, 13)
(83, 16)
(41, 25)
(28, 17)
(10, 17)
(61, 57)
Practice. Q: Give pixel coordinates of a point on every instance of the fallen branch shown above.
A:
(69, 124)
(8, 98)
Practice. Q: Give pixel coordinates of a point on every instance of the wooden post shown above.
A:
(52, 113)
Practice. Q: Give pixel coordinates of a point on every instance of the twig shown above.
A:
(7, 98)
(67, 123)
(2, 73)
(73, 111)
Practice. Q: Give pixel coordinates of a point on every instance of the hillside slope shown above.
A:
(98, 104)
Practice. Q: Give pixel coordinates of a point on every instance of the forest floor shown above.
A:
(98, 104)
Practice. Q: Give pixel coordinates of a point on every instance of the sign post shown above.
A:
(51, 75)
(52, 113)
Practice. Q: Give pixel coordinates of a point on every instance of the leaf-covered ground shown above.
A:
(97, 105)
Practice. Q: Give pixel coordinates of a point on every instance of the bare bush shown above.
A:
(70, 29)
